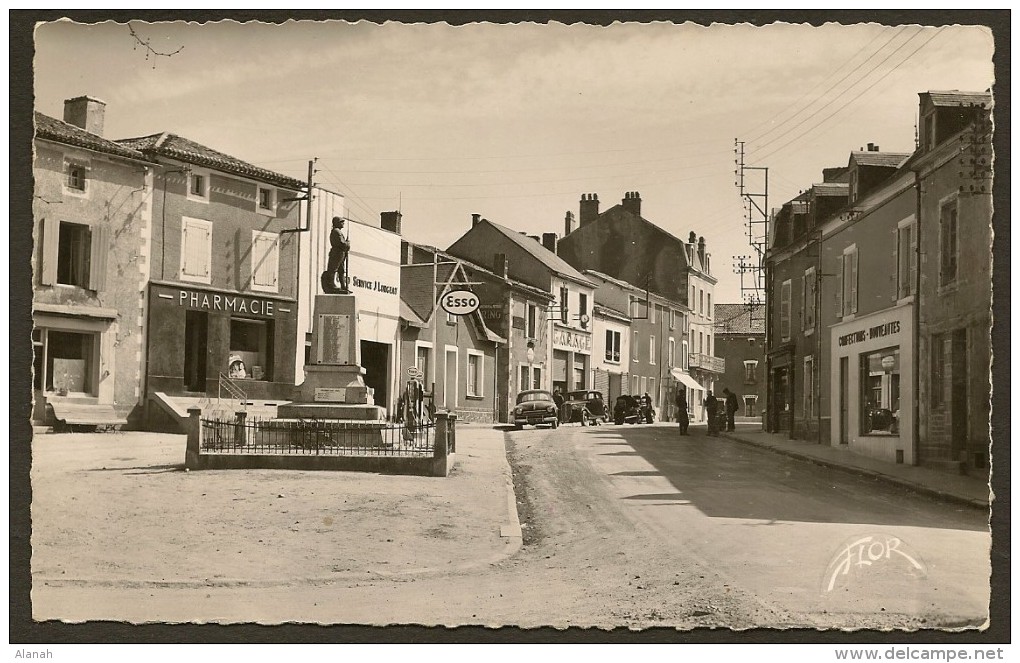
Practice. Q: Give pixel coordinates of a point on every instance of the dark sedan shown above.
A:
(535, 407)
(585, 407)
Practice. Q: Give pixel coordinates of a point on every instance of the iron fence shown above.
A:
(245, 435)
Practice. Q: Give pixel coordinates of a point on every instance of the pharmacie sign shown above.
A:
(871, 333)
(565, 339)
(214, 301)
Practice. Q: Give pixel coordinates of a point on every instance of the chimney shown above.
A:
(872, 147)
(550, 241)
(701, 250)
(568, 224)
(475, 218)
(500, 265)
(693, 238)
(390, 221)
(406, 252)
(86, 113)
(632, 202)
(589, 208)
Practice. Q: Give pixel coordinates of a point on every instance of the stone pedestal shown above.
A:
(334, 387)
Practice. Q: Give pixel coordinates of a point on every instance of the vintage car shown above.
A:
(585, 407)
(627, 410)
(535, 407)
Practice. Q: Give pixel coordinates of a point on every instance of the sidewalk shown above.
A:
(118, 510)
(968, 490)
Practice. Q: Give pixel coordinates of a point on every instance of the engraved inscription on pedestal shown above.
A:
(330, 395)
(334, 339)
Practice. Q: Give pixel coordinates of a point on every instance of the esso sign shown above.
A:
(459, 302)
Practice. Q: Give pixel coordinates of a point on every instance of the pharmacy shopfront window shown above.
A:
(880, 397)
(251, 349)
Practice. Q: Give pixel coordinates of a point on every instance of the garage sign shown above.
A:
(459, 302)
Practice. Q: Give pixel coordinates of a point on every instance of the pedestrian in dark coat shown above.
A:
(712, 410)
(681, 410)
(731, 408)
(559, 400)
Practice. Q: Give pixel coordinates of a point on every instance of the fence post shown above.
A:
(239, 418)
(439, 444)
(194, 429)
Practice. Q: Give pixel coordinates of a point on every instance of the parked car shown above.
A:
(626, 410)
(585, 407)
(535, 406)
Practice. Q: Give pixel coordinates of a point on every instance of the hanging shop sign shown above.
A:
(565, 339)
(459, 302)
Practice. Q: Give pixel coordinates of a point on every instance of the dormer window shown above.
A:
(198, 184)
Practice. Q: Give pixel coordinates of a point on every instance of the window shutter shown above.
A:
(98, 259)
(50, 247)
(205, 251)
(853, 281)
(803, 302)
(898, 281)
(913, 259)
(839, 286)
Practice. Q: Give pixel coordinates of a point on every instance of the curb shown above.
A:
(860, 471)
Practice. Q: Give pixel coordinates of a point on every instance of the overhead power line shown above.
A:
(859, 95)
(801, 108)
(837, 97)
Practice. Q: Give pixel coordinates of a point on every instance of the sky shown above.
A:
(516, 122)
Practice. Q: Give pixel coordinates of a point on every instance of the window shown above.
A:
(948, 239)
(749, 403)
(74, 254)
(784, 311)
(451, 319)
(635, 385)
(532, 324)
(808, 305)
(848, 288)
(474, 373)
(77, 176)
(708, 344)
(198, 185)
(651, 349)
(701, 302)
(684, 359)
(564, 313)
(69, 361)
(196, 250)
(672, 319)
(583, 310)
(634, 350)
(880, 397)
(690, 303)
(250, 340)
(422, 360)
(266, 200)
(265, 260)
(524, 380)
(708, 305)
(671, 354)
(536, 378)
(809, 386)
(906, 258)
(750, 371)
(701, 343)
(613, 346)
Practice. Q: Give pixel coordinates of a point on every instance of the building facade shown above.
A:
(566, 332)
(740, 342)
(953, 168)
(669, 278)
(222, 295)
(92, 222)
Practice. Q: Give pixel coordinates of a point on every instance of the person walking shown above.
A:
(731, 408)
(681, 410)
(712, 410)
(559, 400)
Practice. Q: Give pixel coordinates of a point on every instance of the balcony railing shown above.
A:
(708, 363)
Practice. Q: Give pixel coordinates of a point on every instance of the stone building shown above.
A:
(740, 342)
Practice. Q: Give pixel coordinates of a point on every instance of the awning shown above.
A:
(682, 377)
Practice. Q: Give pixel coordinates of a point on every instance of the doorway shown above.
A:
(844, 405)
(375, 359)
(196, 327)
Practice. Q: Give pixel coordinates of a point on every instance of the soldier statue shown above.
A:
(335, 280)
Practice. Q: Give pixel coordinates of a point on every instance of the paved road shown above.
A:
(636, 526)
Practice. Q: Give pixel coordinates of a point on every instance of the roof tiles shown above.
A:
(63, 132)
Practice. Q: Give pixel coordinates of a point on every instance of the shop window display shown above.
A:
(880, 397)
